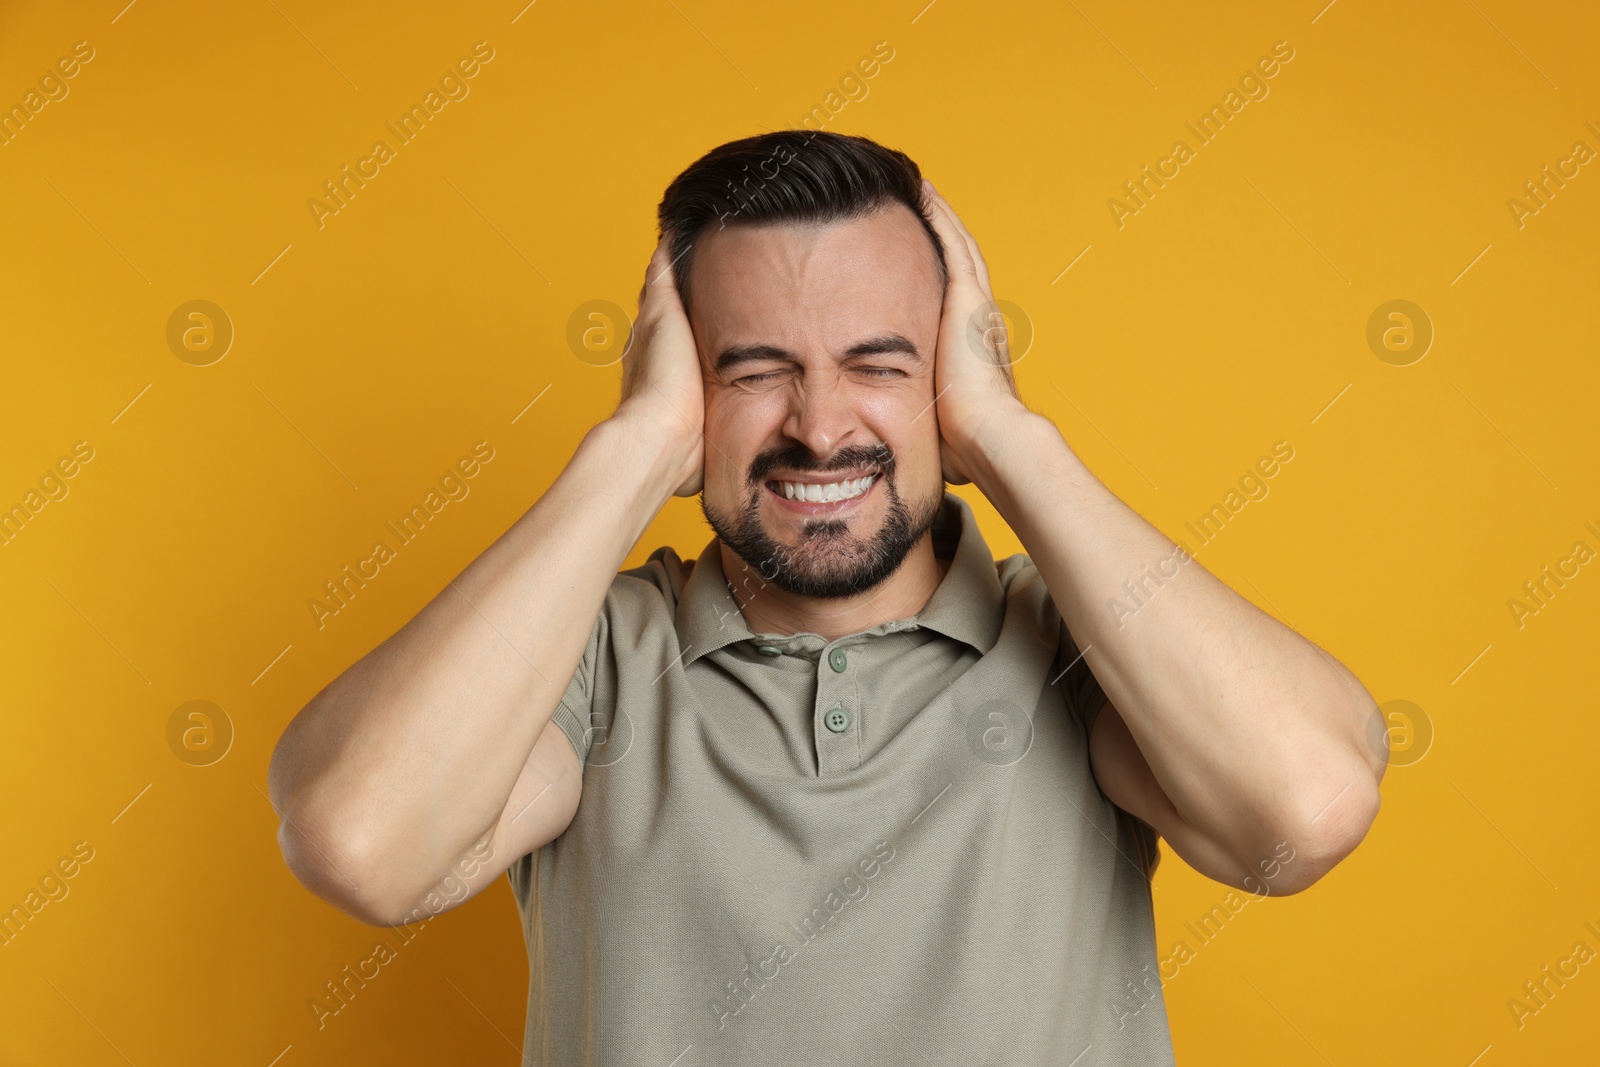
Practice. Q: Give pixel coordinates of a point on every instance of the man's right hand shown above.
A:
(662, 384)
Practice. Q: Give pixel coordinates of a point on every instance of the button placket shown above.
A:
(838, 726)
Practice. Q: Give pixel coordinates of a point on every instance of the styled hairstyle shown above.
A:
(797, 176)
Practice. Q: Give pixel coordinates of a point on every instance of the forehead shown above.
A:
(822, 283)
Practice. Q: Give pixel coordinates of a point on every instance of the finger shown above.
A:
(955, 222)
(653, 270)
(958, 253)
(967, 241)
(981, 271)
(644, 286)
(958, 258)
(663, 281)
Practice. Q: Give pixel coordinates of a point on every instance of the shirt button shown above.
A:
(769, 650)
(837, 720)
(838, 661)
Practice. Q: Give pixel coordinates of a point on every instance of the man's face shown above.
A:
(817, 346)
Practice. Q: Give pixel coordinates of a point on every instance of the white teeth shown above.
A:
(833, 491)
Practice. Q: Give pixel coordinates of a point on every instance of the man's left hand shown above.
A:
(973, 382)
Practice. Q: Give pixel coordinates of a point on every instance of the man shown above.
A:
(851, 790)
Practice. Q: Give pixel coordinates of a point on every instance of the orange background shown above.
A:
(369, 354)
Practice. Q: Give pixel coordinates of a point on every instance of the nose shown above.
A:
(822, 414)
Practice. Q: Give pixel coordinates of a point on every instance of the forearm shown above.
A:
(406, 760)
(1255, 734)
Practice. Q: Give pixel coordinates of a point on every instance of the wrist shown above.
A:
(1002, 445)
(654, 418)
(662, 440)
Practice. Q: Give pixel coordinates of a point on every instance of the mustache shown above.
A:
(800, 458)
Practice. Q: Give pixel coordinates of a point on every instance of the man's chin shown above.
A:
(821, 555)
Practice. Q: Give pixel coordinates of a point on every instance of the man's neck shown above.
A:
(769, 609)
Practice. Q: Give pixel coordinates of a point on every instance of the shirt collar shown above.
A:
(968, 605)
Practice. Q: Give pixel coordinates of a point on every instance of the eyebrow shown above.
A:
(734, 355)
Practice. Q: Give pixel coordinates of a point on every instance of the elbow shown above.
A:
(333, 870)
(1323, 838)
(322, 847)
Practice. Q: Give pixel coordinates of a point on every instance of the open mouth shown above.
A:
(822, 492)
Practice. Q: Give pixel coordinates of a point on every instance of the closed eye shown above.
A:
(884, 371)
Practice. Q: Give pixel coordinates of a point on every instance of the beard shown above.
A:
(827, 562)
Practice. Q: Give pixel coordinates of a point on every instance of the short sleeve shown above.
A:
(1085, 698)
(572, 715)
(575, 713)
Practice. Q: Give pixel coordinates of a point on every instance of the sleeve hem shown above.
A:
(567, 720)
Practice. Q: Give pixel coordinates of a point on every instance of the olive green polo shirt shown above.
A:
(884, 849)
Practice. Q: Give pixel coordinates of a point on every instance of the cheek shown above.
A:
(906, 416)
(735, 430)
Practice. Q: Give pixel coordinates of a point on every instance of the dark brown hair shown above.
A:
(798, 176)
